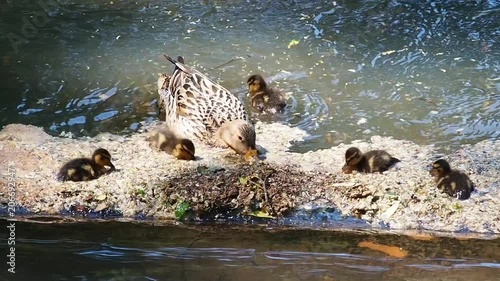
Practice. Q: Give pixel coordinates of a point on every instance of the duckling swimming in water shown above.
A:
(166, 140)
(452, 182)
(370, 162)
(84, 169)
(263, 98)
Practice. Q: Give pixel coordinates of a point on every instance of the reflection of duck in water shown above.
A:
(452, 182)
(165, 140)
(370, 162)
(263, 98)
(84, 169)
(200, 109)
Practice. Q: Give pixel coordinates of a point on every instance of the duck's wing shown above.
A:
(198, 95)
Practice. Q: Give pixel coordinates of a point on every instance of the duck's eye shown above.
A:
(240, 138)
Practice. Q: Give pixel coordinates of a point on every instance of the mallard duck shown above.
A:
(165, 140)
(452, 182)
(84, 169)
(370, 162)
(200, 109)
(263, 98)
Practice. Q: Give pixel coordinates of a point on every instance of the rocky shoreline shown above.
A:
(150, 183)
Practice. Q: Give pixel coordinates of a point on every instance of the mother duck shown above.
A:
(198, 108)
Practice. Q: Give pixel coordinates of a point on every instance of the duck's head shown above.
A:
(102, 158)
(184, 150)
(352, 157)
(239, 135)
(256, 84)
(440, 168)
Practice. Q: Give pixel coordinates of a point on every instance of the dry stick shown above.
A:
(196, 238)
(427, 100)
(219, 66)
(226, 63)
(264, 187)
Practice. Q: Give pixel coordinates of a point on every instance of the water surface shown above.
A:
(154, 251)
(426, 71)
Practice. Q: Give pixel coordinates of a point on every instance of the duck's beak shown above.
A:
(346, 169)
(433, 172)
(251, 154)
(112, 167)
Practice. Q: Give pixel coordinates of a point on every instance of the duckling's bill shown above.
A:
(251, 155)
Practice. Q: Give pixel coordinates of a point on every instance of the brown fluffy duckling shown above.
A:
(263, 98)
(238, 135)
(84, 169)
(166, 140)
(370, 162)
(452, 182)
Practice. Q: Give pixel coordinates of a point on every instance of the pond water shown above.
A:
(426, 71)
(151, 251)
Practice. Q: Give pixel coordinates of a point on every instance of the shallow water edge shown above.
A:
(129, 250)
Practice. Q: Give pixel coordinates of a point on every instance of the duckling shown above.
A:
(370, 162)
(197, 108)
(84, 169)
(166, 140)
(452, 182)
(263, 98)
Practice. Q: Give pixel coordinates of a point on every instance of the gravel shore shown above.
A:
(153, 184)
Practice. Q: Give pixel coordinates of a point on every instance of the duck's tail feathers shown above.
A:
(179, 63)
(170, 59)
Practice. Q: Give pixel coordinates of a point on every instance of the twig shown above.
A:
(265, 189)
(427, 100)
(226, 63)
(196, 238)
(264, 186)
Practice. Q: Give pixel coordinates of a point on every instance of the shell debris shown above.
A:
(150, 183)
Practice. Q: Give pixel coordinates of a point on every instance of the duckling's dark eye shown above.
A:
(240, 138)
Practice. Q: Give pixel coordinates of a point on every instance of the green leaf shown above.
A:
(243, 180)
(292, 43)
(140, 192)
(181, 209)
(456, 206)
(261, 214)
(201, 169)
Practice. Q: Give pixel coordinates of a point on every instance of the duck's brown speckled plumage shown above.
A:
(199, 109)
(452, 182)
(197, 106)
